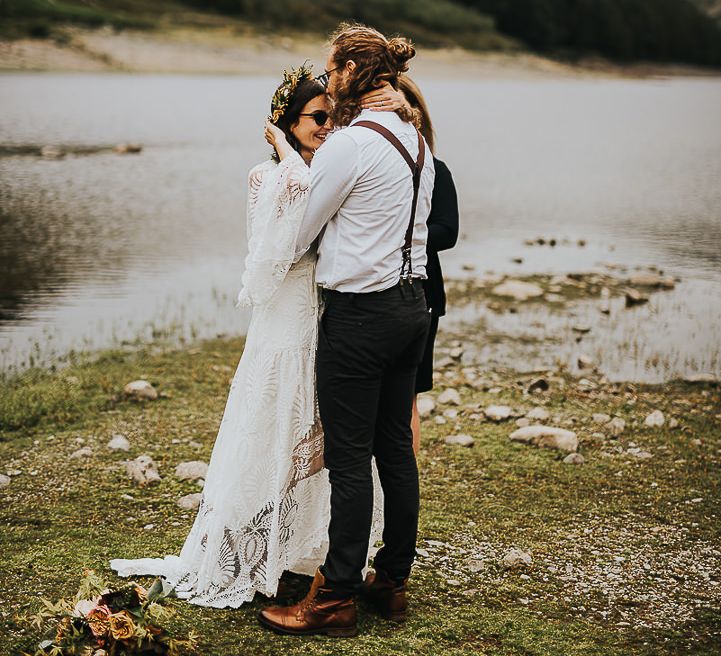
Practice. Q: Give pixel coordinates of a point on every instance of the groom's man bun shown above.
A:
(377, 60)
(401, 50)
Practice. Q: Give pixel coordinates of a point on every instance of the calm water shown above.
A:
(100, 248)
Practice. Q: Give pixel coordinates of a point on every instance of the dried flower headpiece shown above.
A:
(282, 96)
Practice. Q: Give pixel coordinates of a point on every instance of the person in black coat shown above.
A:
(442, 225)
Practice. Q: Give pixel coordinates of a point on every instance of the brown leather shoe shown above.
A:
(314, 614)
(388, 596)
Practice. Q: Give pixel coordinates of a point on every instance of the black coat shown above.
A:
(442, 234)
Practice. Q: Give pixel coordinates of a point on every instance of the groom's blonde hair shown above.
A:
(377, 60)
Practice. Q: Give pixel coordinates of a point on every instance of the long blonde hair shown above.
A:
(418, 102)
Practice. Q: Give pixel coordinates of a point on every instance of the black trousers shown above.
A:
(369, 348)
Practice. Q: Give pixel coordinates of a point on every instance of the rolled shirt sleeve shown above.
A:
(333, 174)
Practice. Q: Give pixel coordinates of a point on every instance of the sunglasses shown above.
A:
(325, 77)
(319, 116)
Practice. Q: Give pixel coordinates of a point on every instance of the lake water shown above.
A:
(99, 248)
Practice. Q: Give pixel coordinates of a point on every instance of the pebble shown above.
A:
(538, 385)
(497, 412)
(585, 361)
(423, 553)
(574, 459)
(523, 421)
(537, 414)
(616, 426)
(440, 420)
(190, 471)
(655, 419)
(4, 480)
(426, 405)
(460, 440)
(449, 396)
(450, 413)
(119, 443)
(601, 418)
(456, 353)
(516, 558)
(518, 290)
(547, 437)
(143, 470)
(140, 390)
(85, 452)
(635, 297)
(190, 501)
(581, 328)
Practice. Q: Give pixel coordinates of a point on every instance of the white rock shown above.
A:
(450, 413)
(537, 414)
(616, 426)
(143, 469)
(119, 443)
(547, 437)
(581, 328)
(190, 501)
(456, 353)
(701, 378)
(141, 390)
(440, 420)
(574, 459)
(460, 440)
(601, 418)
(449, 396)
(85, 452)
(652, 280)
(523, 421)
(518, 290)
(497, 412)
(4, 480)
(655, 419)
(190, 471)
(516, 558)
(426, 405)
(673, 422)
(585, 361)
(423, 553)
(476, 564)
(635, 297)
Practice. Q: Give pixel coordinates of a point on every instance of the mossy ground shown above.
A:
(626, 550)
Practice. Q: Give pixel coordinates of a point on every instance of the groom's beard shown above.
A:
(346, 104)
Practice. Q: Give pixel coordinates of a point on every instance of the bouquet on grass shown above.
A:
(100, 621)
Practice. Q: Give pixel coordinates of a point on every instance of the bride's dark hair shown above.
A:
(304, 92)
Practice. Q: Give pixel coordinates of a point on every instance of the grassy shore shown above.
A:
(624, 547)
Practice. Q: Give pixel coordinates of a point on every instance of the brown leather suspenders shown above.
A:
(416, 169)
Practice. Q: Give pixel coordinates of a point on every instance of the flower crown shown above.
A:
(284, 93)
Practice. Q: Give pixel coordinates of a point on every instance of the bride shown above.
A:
(266, 502)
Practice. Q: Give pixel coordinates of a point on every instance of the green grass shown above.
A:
(60, 515)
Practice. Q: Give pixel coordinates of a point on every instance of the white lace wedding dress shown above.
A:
(266, 501)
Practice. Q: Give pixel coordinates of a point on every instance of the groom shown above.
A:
(371, 187)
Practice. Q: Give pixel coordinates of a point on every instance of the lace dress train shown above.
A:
(266, 502)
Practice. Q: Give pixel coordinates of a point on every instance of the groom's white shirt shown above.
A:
(360, 200)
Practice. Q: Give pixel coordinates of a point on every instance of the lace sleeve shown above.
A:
(277, 197)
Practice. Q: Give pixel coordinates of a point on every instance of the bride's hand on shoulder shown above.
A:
(384, 99)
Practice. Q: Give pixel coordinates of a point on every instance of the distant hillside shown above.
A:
(626, 30)
(684, 31)
(711, 7)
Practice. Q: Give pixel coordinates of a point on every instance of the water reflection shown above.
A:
(98, 248)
